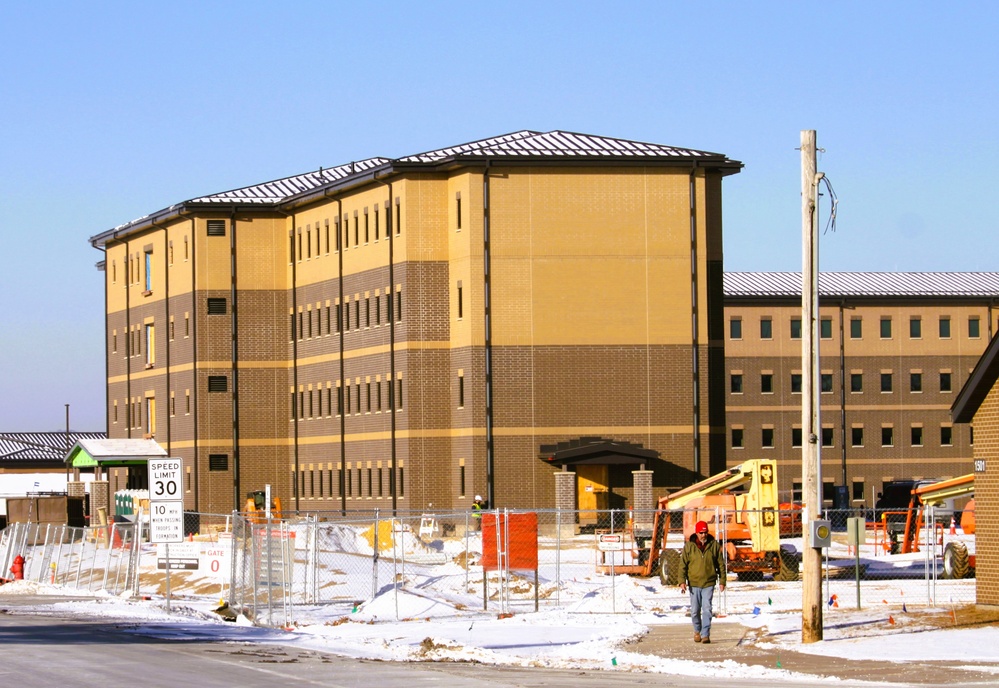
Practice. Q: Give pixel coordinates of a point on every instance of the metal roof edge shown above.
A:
(978, 385)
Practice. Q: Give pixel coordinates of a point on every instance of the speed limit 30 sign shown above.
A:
(166, 504)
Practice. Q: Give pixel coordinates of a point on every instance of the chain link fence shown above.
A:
(321, 567)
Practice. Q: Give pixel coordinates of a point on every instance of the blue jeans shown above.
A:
(700, 609)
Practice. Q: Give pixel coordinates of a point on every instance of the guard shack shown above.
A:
(100, 456)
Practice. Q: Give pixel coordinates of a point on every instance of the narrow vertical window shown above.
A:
(457, 211)
(149, 270)
(461, 310)
(461, 390)
(150, 331)
(376, 223)
(367, 237)
(398, 306)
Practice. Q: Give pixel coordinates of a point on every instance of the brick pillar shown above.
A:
(643, 500)
(100, 497)
(565, 500)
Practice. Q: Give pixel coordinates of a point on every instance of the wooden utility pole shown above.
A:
(811, 429)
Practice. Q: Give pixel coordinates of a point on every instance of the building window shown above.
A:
(795, 437)
(858, 490)
(795, 383)
(767, 438)
(915, 328)
(825, 328)
(457, 214)
(795, 328)
(856, 383)
(398, 394)
(398, 305)
(915, 382)
(885, 382)
(736, 383)
(946, 436)
(461, 303)
(856, 328)
(974, 327)
(916, 435)
(216, 228)
(826, 382)
(945, 384)
(767, 383)
(149, 271)
(944, 327)
(217, 306)
(736, 438)
(218, 462)
(218, 383)
(735, 328)
(766, 328)
(461, 390)
(857, 437)
(796, 490)
(971, 435)
(150, 332)
(827, 437)
(888, 437)
(367, 312)
(885, 328)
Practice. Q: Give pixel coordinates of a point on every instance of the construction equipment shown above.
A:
(746, 523)
(957, 562)
(256, 511)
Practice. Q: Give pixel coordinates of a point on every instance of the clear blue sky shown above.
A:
(109, 111)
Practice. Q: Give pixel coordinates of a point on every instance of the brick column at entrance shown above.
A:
(643, 501)
(565, 501)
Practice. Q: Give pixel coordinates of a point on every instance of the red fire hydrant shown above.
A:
(18, 568)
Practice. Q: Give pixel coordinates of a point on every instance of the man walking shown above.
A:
(701, 566)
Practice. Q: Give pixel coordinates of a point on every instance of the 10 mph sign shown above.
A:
(166, 505)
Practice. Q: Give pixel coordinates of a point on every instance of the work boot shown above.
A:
(697, 637)
(705, 640)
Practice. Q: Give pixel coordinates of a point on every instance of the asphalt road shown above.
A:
(43, 647)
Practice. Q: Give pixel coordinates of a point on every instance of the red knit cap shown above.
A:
(701, 527)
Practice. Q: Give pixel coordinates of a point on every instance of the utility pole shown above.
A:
(811, 430)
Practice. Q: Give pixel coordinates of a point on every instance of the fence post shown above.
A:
(558, 556)
(374, 560)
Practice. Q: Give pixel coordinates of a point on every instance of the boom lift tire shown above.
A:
(955, 561)
(788, 566)
(669, 567)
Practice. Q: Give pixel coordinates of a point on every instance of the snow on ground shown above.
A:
(428, 607)
(410, 625)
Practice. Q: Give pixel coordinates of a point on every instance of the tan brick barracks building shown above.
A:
(895, 350)
(392, 333)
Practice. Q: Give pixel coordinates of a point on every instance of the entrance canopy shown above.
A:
(587, 451)
(101, 454)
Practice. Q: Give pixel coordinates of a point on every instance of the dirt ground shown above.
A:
(738, 643)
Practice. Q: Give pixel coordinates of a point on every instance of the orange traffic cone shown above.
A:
(953, 526)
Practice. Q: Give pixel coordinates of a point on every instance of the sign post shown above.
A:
(166, 508)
